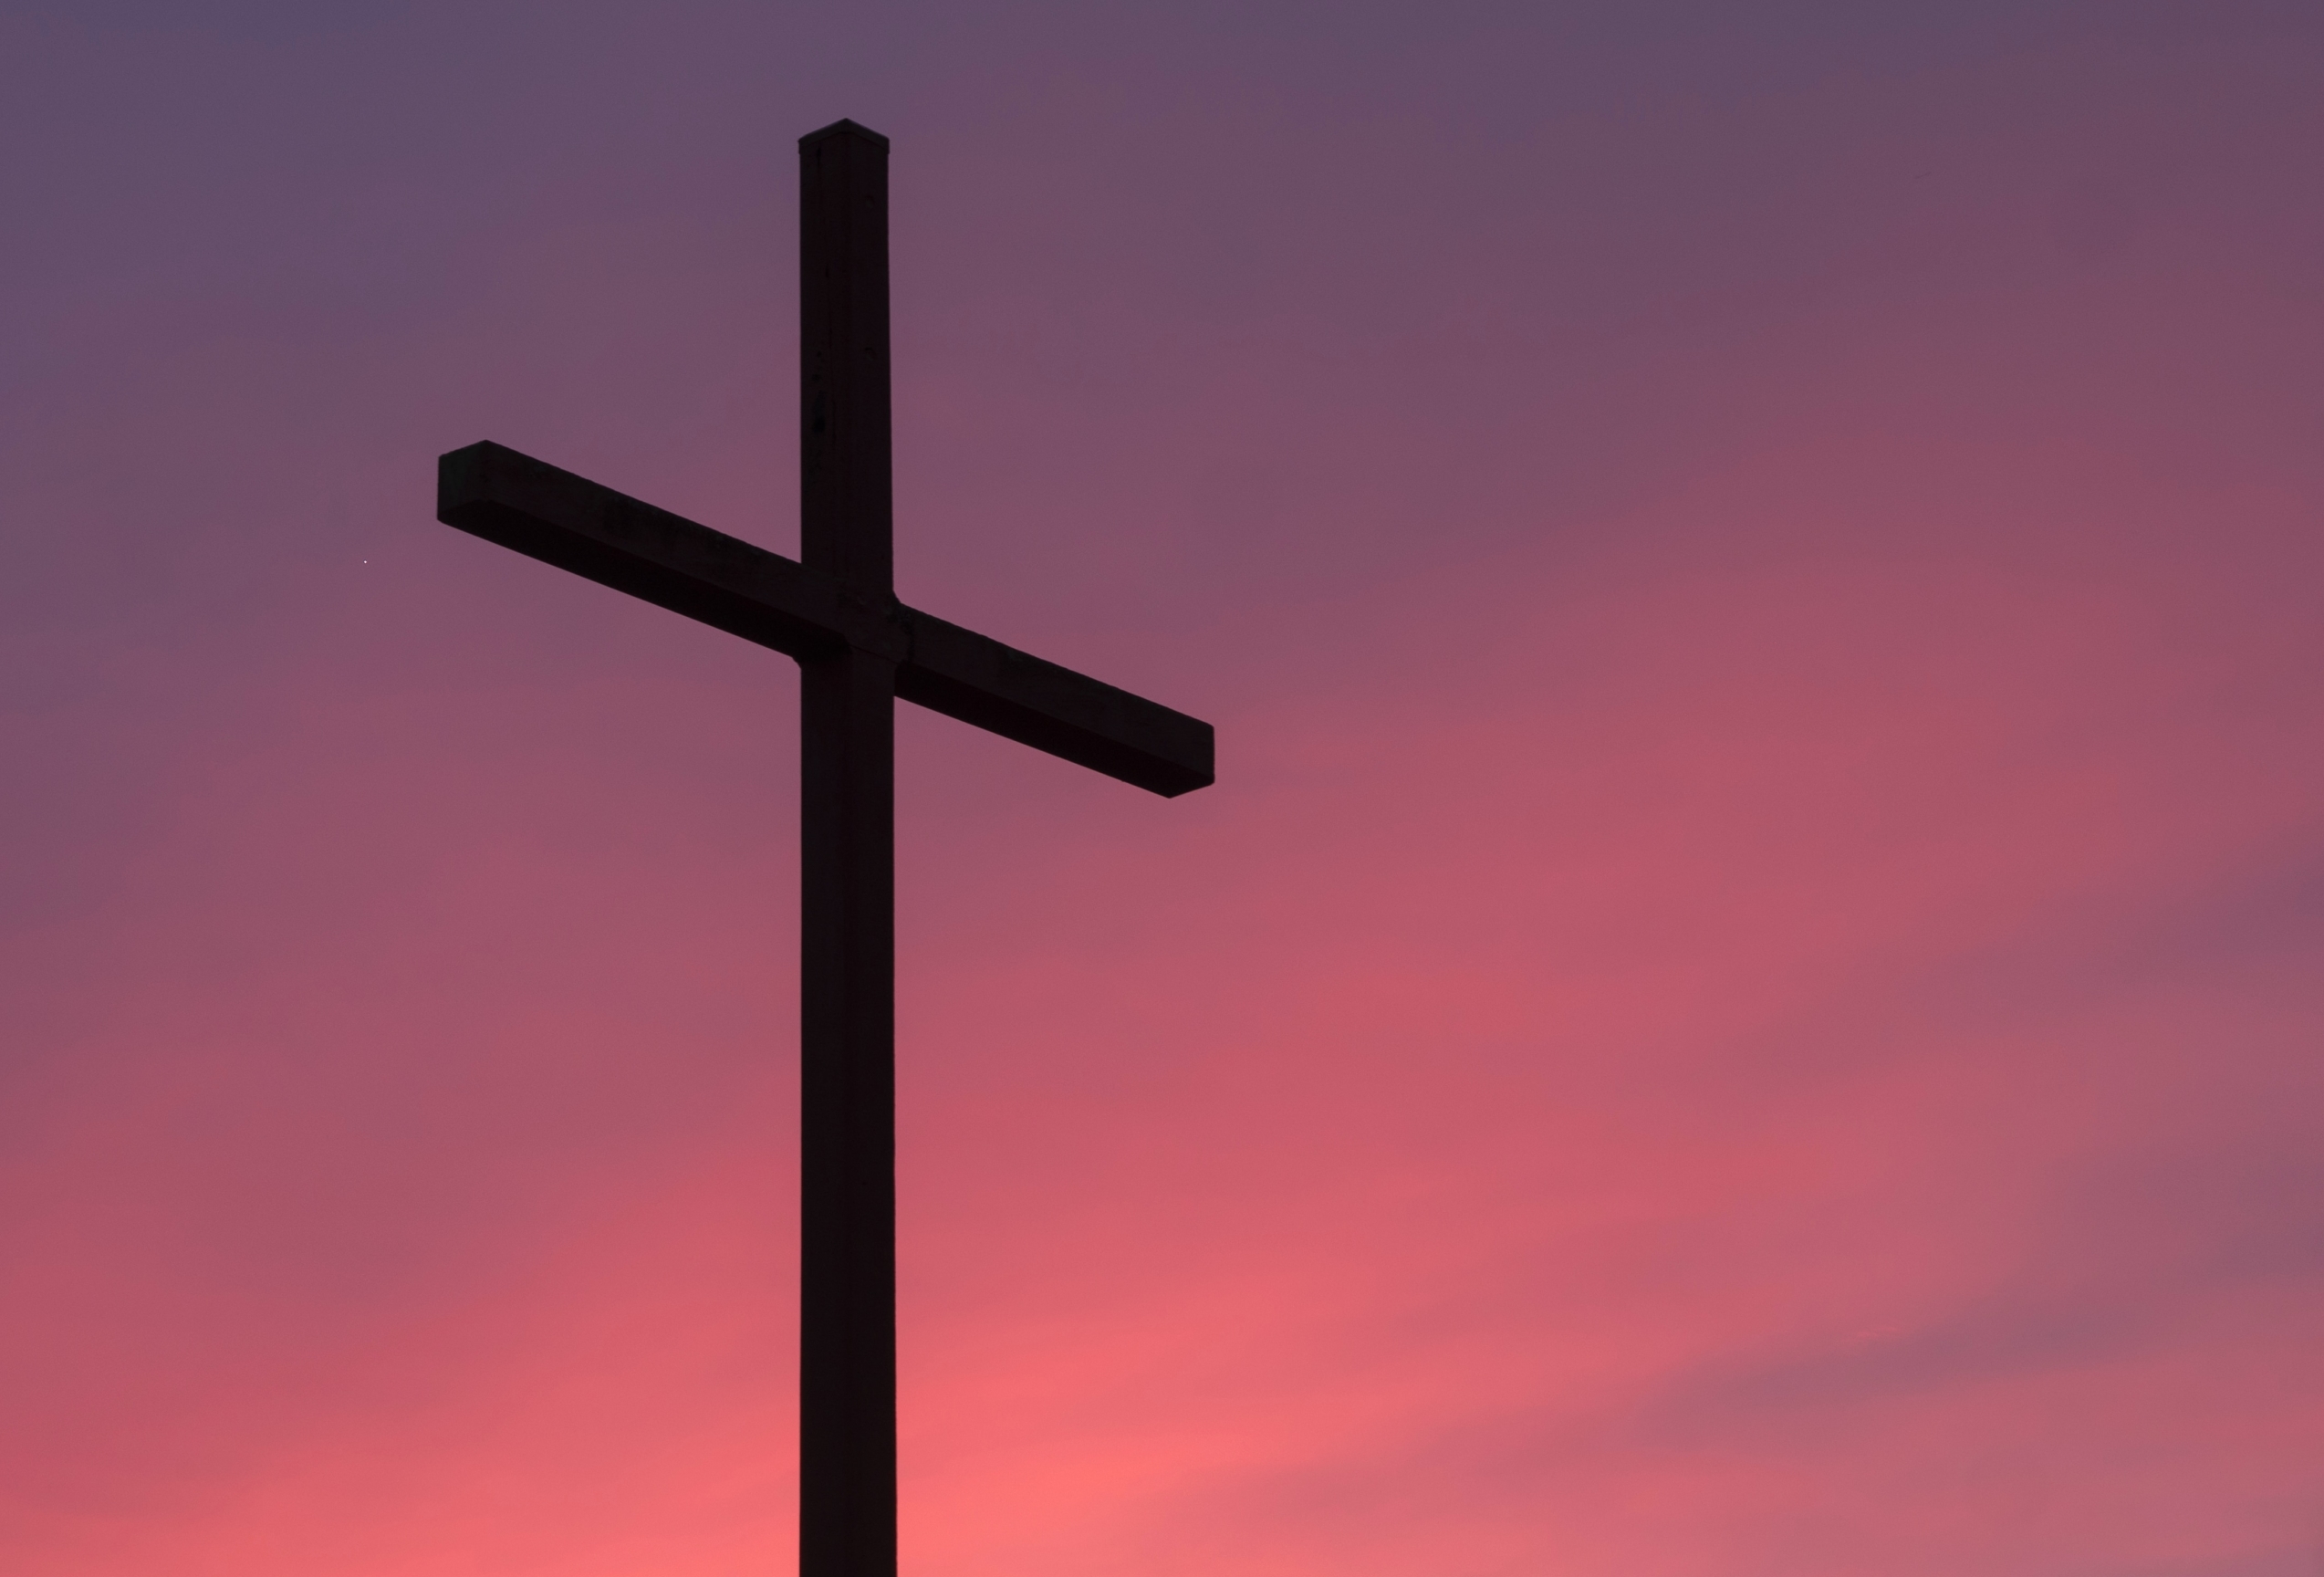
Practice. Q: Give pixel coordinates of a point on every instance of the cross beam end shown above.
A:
(666, 559)
(1088, 722)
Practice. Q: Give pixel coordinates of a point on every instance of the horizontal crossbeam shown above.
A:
(672, 562)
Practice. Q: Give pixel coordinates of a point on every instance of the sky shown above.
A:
(1747, 1002)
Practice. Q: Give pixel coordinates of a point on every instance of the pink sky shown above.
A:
(1747, 1002)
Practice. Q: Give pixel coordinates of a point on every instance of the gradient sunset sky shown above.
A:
(1749, 1001)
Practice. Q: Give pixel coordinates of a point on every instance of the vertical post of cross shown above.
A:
(847, 1041)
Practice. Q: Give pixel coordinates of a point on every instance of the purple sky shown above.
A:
(1749, 1001)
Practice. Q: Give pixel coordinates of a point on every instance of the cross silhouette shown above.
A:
(857, 649)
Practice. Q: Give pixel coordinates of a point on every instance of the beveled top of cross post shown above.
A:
(845, 127)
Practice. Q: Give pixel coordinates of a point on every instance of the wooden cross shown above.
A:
(857, 649)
